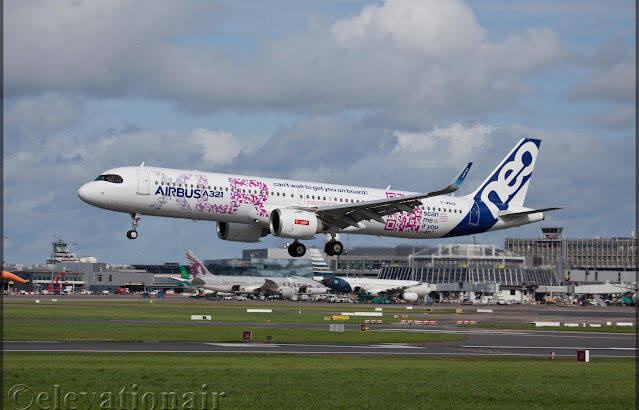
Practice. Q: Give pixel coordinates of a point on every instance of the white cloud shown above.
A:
(614, 84)
(40, 116)
(412, 62)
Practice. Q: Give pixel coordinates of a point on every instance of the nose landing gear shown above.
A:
(133, 233)
(296, 249)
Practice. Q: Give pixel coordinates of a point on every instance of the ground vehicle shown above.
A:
(86, 292)
(122, 291)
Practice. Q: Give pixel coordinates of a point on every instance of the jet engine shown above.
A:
(295, 224)
(410, 296)
(420, 290)
(240, 232)
(288, 292)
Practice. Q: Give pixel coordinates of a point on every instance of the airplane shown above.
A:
(248, 208)
(185, 280)
(409, 290)
(285, 287)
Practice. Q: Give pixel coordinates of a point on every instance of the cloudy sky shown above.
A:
(370, 93)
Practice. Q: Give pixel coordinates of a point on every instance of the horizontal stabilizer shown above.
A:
(507, 214)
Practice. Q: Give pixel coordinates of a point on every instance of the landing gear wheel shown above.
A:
(296, 249)
(133, 233)
(333, 248)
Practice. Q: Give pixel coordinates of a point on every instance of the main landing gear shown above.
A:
(133, 233)
(296, 249)
(333, 248)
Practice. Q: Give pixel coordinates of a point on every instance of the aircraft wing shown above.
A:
(345, 215)
(182, 280)
(268, 285)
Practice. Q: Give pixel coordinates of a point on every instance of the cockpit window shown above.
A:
(116, 179)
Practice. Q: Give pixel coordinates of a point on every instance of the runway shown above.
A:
(479, 342)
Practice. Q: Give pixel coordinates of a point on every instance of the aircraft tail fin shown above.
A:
(197, 267)
(320, 267)
(184, 273)
(508, 183)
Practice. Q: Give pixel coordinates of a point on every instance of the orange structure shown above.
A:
(10, 276)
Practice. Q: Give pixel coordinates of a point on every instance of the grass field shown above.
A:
(168, 313)
(181, 312)
(176, 302)
(348, 382)
(75, 331)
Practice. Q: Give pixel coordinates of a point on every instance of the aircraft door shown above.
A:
(143, 182)
(473, 217)
(301, 197)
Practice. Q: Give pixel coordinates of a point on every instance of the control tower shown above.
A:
(60, 253)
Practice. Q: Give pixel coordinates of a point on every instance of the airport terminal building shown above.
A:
(469, 271)
(583, 260)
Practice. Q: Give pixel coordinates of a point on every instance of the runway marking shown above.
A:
(377, 346)
(590, 335)
(554, 347)
(243, 344)
(306, 352)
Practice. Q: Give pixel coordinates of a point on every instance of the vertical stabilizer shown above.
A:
(508, 183)
(197, 267)
(320, 267)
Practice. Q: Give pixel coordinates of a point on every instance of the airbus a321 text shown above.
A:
(248, 208)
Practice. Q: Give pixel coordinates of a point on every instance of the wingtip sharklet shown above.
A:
(459, 179)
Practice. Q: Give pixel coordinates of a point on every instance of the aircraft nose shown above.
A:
(88, 193)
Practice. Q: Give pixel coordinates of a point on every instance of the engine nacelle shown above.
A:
(319, 290)
(240, 232)
(288, 292)
(410, 296)
(295, 224)
(420, 290)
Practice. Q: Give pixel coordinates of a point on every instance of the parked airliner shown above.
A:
(409, 290)
(256, 285)
(247, 208)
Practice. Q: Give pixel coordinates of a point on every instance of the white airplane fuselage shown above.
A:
(247, 208)
(250, 200)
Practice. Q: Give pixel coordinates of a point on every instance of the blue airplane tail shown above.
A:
(508, 184)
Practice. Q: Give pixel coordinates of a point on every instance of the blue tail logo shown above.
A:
(508, 183)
